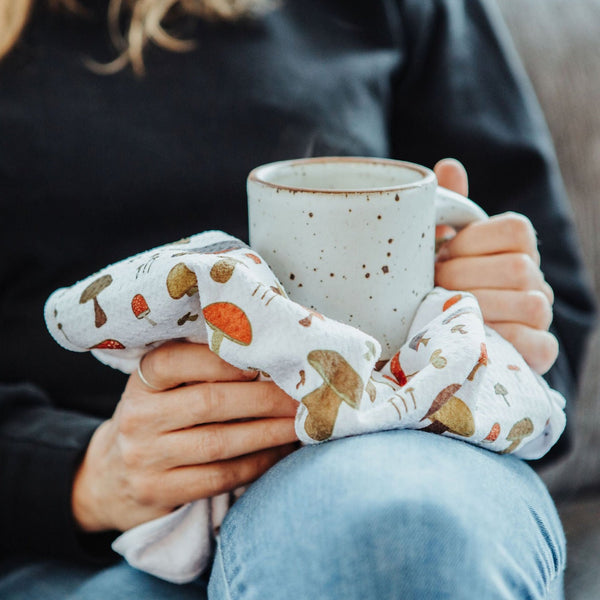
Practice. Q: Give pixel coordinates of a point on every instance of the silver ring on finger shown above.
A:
(144, 380)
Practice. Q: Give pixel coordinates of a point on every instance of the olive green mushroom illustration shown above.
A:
(500, 390)
(450, 413)
(91, 293)
(518, 432)
(341, 383)
(437, 360)
(227, 321)
(140, 308)
(187, 317)
(482, 361)
(181, 282)
(460, 329)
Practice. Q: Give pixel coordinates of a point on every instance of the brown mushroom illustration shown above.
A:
(227, 321)
(341, 383)
(519, 431)
(482, 361)
(223, 269)
(140, 308)
(108, 345)
(450, 413)
(181, 281)
(91, 293)
(307, 321)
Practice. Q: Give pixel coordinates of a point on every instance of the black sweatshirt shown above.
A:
(96, 168)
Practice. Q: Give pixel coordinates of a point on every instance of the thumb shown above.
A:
(452, 175)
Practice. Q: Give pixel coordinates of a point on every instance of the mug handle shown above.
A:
(456, 210)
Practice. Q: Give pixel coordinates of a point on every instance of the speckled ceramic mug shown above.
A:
(353, 237)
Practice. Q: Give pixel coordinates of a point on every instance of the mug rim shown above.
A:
(427, 175)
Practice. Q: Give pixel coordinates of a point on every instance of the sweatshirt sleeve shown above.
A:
(464, 93)
(40, 449)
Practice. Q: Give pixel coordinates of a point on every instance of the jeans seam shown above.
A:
(221, 567)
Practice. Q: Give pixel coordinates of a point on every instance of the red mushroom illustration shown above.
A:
(451, 302)
(450, 413)
(91, 293)
(492, 436)
(108, 345)
(519, 431)
(482, 361)
(341, 383)
(227, 321)
(397, 370)
(140, 308)
(181, 282)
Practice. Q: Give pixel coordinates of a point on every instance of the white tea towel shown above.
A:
(454, 376)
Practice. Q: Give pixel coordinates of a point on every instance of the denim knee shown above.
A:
(396, 514)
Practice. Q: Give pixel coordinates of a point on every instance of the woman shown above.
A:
(95, 168)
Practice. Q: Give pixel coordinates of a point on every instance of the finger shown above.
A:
(452, 175)
(506, 233)
(176, 363)
(530, 307)
(538, 348)
(186, 484)
(203, 403)
(514, 271)
(212, 443)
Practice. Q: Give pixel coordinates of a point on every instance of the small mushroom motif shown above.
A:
(222, 270)
(450, 413)
(397, 370)
(302, 381)
(458, 313)
(91, 292)
(437, 360)
(140, 308)
(187, 317)
(417, 340)
(459, 329)
(307, 321)
(341, 383)
(451, 302)
(482, 361)
(108, 345)
(492, 436)
(519, 431)
(227, 321)
(181, 282)
(371, 350)
(253, 257)
(371, 390)
(500, 390)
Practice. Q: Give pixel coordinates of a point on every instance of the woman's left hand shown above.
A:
(498, 262)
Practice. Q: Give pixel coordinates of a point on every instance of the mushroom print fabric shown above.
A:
(454, 376)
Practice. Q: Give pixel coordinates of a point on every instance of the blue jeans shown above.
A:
(398, 514)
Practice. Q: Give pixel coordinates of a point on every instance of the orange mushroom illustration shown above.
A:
(451, 302)
(397, 370)
(482, 361)
(518, 432)
(181, 282)
(341, 383)
(140, 308)
(227, 321)
(91, 293)
(492, 436)
(450, 413)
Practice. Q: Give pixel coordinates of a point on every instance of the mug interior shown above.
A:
(341, 174)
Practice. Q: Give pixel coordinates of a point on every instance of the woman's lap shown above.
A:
(388, 515)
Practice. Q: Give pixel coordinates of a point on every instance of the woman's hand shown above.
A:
(162, 449)
(498, 262)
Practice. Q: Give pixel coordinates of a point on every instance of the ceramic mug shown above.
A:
(352, 237)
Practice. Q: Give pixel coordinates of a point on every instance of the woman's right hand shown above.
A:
(162, 449)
